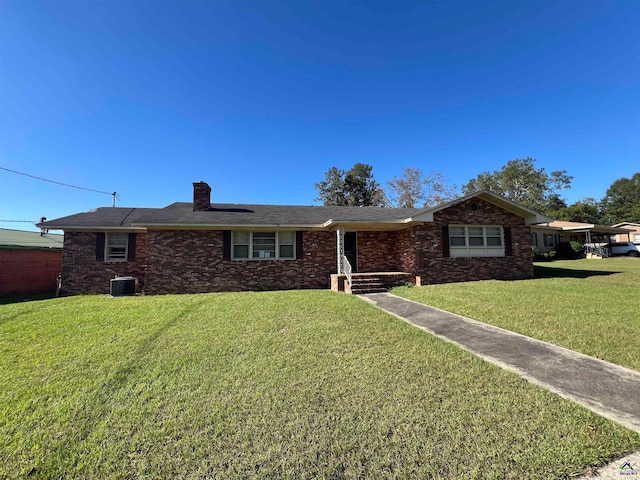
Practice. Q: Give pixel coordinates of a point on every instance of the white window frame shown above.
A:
(484, 250)
(108, 246)
(534, 239)
(278, 243)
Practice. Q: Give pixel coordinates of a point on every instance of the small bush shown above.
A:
(544, 257)
(569, 250)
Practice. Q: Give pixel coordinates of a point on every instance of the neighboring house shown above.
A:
(205, 247)
(632, 234)
(546, 236)
(29, 261)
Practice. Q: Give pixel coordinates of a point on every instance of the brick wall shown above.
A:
(407, 242)
(26, 271)
(83, 274)
(377, 252)
(435, 267)
(183, 261)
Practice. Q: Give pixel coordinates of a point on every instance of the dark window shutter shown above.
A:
(131, 252)
(445, 241)
(226, 245)
(100, 246)
(299, 250)
(508, 247)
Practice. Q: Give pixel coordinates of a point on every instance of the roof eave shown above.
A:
(371, 225)
(532, 220)
(531, 216)
(225, 226)
(93, 228)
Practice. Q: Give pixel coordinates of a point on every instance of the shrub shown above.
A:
(569, 250)
(544, 257)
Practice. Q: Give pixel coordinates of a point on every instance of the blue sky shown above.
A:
(260, 98)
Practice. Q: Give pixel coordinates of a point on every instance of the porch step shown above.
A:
(368, 284)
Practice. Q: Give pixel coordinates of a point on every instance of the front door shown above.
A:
(351, 249)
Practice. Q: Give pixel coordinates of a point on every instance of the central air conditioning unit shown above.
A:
(122, 286)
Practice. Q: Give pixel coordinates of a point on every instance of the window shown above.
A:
(286, 242)
(549, 240)
(476, 241)
(117, 247)
(534, 239)
(263, 245)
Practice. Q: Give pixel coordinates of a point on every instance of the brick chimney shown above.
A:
(201, 197)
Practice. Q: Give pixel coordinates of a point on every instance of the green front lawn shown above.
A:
(306, 384)
(586, 305)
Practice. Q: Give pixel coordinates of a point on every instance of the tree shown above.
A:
(413, 189)
(520, 181)
(355, 187)
(586, 211)
(621, 203)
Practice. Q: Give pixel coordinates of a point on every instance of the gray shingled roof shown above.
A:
(111, 217)
(182, 214)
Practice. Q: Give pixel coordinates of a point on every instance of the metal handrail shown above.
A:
(347, 268)
(597, 249)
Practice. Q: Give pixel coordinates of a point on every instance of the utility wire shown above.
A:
(58, 183)
(19, 221)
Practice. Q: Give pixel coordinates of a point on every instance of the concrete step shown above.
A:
(368, 284)
(362, 291)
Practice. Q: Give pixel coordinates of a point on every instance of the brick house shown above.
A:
(633, 232)
(204, 247)
(29, 261)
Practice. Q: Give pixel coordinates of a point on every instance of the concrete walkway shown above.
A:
(602, 387)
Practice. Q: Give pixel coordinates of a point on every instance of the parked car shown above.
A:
(629, 249)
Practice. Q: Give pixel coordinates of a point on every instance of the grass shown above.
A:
(586, 305)
(308, 384)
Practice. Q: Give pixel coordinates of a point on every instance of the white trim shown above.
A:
(100, 229)
(229, 226)
(530, 216)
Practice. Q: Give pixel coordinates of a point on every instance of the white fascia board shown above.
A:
(370, 225)
(530, 216)
(546, 227)
(532, 220)
(119, 228)
(424, 217)
(630, 224)
(246, 226)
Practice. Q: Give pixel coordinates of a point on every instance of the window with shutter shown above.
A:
(116, 247)
(263, 245)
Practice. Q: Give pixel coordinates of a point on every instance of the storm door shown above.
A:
(351, 249)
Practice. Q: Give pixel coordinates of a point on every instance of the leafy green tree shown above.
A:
(521, 181)
(355, 187)
(621, 203)
(555, 207)
(586, 211)
(414, 189)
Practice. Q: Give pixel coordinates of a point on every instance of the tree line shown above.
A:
(519, 180)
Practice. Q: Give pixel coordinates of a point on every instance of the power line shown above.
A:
(20, 221)
(114, 194)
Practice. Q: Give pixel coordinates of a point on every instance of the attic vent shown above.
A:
(475, 206)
